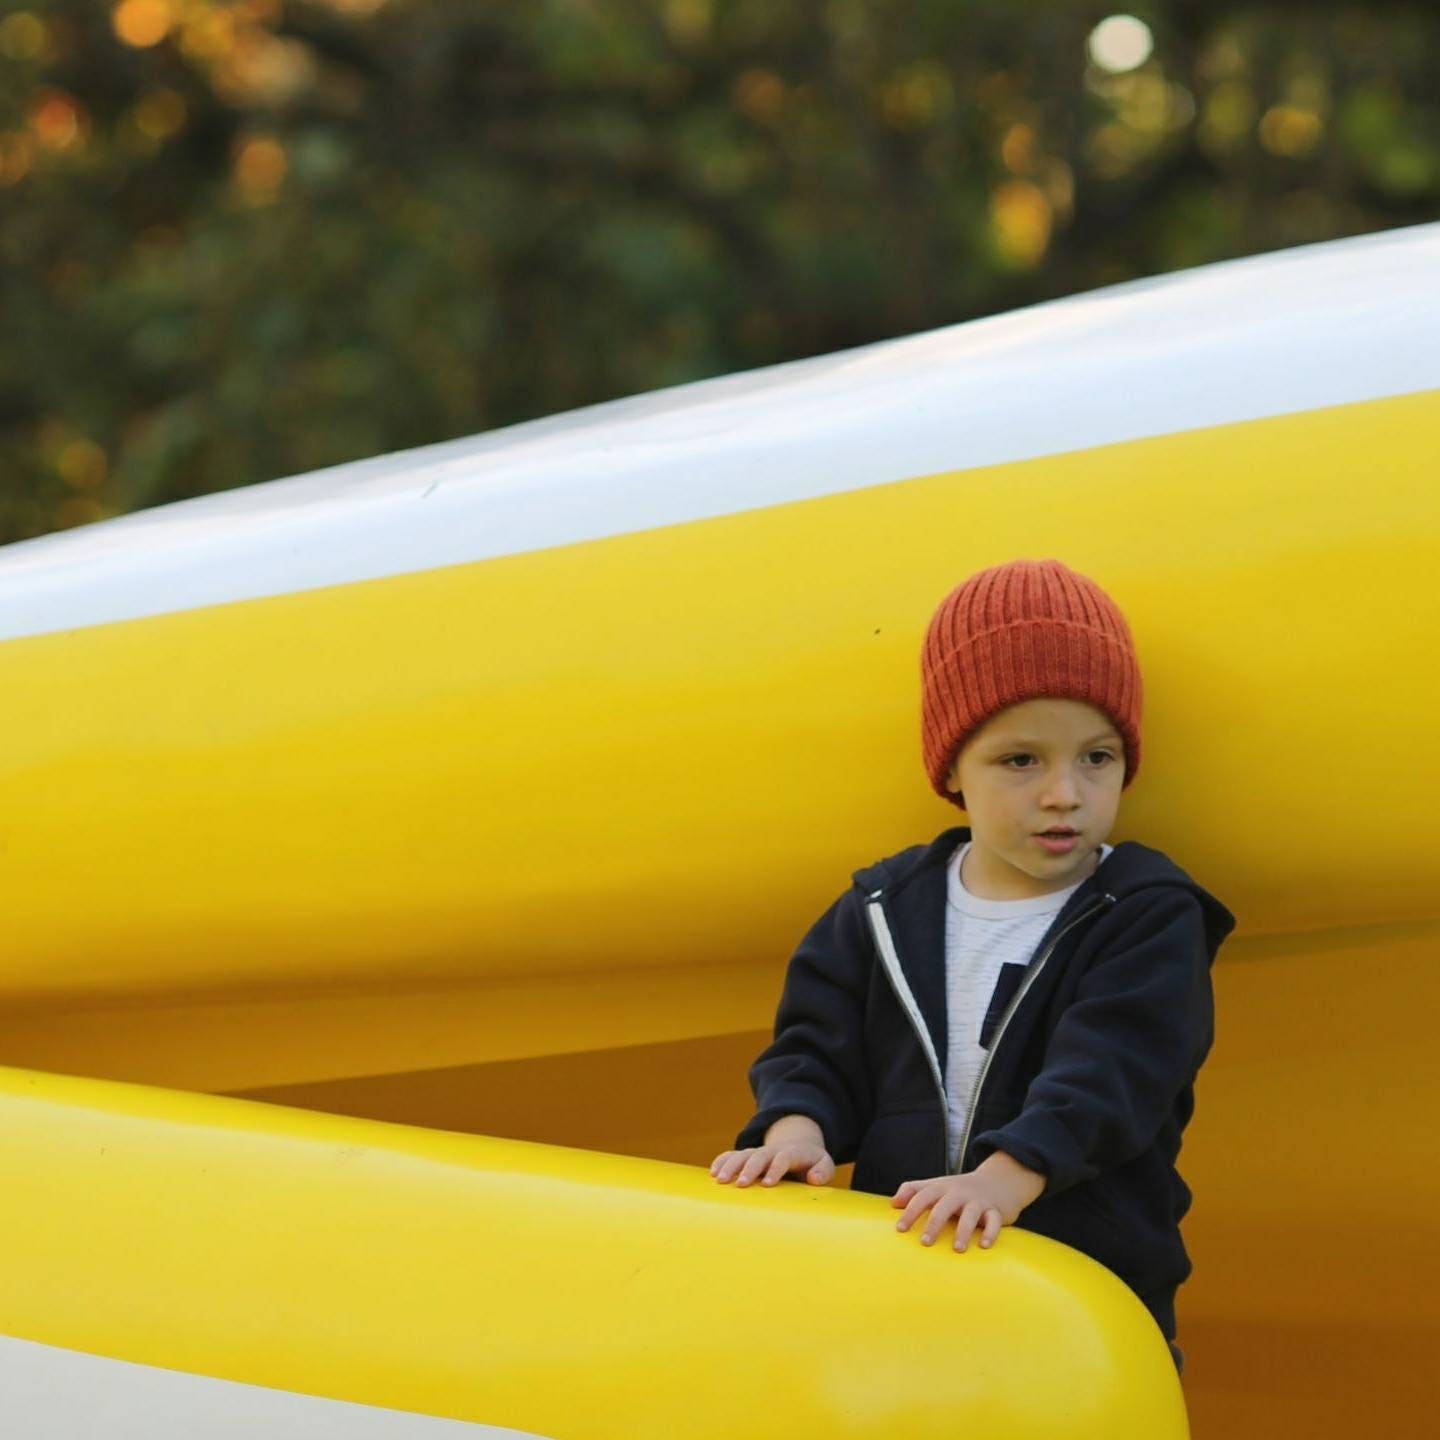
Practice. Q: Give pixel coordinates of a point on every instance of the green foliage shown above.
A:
(241, 239)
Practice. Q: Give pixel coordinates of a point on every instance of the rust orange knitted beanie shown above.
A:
(1021, 631)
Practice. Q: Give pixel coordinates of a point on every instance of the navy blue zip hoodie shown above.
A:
(1093, 1046)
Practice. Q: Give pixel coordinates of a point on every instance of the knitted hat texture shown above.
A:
(1021, 631)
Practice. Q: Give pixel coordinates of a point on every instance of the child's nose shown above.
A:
(1062, 788)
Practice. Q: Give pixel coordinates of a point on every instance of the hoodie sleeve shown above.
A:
(1135, 1034)
(815, 1065)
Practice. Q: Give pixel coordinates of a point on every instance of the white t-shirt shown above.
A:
(985, 941)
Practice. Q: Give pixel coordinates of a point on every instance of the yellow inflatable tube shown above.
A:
(353, 777)
(488, 787)
(553, 1292)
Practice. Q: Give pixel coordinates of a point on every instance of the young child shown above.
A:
(1003, 1026)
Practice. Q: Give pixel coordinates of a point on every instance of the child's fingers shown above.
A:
(822, 1171)
(918, 1204)
(908, 1187)
(777, 1167)
(767, 1163)
(730, 1164)
(993, 1221)
(754, 1164)
(761, 1161)
(966, 1222)
(943, 1209)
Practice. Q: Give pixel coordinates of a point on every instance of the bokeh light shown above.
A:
(260, 165)
(159, 114)
(83, 464)
(22, 36)
(17, 154)
(57, 120)
(142, 23)
(1020, 219)
(570, 202)
(1289, 130)
(1120, 43)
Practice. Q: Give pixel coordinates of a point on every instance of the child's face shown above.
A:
(1039, 764)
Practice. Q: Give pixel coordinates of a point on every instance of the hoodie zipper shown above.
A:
(1034, 970)
(890, 959)
(890, 963)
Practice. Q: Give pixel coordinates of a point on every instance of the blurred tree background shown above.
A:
(242, 239)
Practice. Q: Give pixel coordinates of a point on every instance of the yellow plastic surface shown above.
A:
(564, 1293)
(392, 780)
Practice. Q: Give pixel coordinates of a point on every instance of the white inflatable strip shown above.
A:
(53, 1394)
(1295, 330)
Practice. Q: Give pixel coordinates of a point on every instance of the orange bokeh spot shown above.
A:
(143, 23)
(17, 154)
(260, 165)
(57, 120)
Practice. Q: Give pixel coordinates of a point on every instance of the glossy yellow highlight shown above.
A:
(561, 1292)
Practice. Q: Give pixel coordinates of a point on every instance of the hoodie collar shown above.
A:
(912, 888)
(1129, 866)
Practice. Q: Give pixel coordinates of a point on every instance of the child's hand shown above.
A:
(773, 1162)
(992, 1194)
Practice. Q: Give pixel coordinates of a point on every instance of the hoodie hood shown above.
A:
(1130, 866)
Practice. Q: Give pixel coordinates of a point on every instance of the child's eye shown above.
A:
(1106, 754)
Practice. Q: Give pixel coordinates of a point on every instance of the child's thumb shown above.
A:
(821, 1171)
